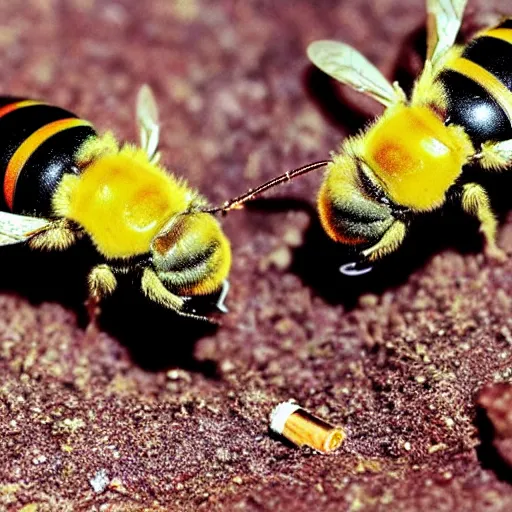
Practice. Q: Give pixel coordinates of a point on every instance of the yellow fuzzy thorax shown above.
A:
(122, 200)
(415, 156)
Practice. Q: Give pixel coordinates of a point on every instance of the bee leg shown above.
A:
(154, 289)
(102, 282)
(57, 236)
(475, 201)
(389, 242)
(221, 306)
(496, 156)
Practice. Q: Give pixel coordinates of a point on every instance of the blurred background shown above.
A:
(158, 412)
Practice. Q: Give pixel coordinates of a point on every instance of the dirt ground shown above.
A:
(158, 413)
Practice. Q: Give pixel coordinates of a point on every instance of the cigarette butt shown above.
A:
(300, 427)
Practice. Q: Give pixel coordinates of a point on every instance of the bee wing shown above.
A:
(350, 67)
(15, 229)
(443, 23)
(147, 120)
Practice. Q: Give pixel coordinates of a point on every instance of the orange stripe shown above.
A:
(505, 34)
(487, 80)
(16, 105)
(29, 145)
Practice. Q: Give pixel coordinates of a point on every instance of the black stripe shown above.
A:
(505, 24)
(494, 55)
(44, 170)
(187, 270)
(363, 208)
(370, 188)
(187, 262)
(471, 106)
(377, 194)
(17, 126)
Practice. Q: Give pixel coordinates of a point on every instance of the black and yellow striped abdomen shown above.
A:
(478, 85)
(38, 144)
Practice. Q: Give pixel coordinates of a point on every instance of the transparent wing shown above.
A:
(15, 229)
(350, 67)
(147, 120)
(443, 23)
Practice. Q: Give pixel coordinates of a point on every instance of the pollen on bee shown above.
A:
(302, 428)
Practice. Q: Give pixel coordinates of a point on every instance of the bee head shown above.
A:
(191, 255)
(353, 207)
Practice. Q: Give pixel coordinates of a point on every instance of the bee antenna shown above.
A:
(238, 202)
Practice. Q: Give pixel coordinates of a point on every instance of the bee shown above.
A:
(62, 181)
(411, 159)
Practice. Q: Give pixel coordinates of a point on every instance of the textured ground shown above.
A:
(160, 414)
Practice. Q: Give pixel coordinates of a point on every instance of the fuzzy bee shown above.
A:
(411, 159)
(62, 181)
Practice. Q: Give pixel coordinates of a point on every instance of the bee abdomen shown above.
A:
(479, 86)
(38, 144)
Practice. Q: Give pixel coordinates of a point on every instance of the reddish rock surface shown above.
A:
(496, 401)
(157, 413)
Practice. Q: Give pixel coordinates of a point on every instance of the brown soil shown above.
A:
(158, 413)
